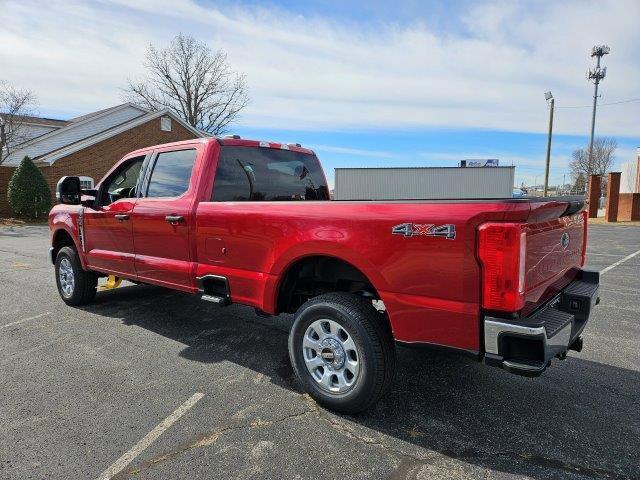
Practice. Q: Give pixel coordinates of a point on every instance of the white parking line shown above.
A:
(628, 257)
(139, 447)
(18, 322)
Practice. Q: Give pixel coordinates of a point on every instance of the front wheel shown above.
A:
(76, 286)
(342, 351)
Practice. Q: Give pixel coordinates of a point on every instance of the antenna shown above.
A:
(596, 75)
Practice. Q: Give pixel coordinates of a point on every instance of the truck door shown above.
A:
(108, 236)
(163, 219)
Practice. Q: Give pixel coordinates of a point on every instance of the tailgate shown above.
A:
(555, 246)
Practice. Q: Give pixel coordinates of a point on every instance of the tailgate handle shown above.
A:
(174, 219)
(121, 217)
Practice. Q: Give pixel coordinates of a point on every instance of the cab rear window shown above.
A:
(266, 174)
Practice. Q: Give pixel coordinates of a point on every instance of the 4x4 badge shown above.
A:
(425, 229)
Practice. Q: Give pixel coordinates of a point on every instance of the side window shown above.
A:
(122, 184)
(171, 173)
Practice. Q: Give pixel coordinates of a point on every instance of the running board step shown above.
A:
(222, 301)
(214, 288)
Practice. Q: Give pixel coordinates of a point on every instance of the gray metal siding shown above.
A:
(423, 183)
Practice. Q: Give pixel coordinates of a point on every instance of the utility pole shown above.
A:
(549, 97)
(595, 75)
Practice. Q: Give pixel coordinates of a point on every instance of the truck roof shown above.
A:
(242, 142)
(235, 141)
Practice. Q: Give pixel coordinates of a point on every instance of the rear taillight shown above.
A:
(585, 219)
(502, 250)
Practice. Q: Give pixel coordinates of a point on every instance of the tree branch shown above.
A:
(190, 79)
(15, 104)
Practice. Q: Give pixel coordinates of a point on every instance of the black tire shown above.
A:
(84, 282)
(375, 348)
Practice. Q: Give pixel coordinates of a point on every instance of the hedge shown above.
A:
(28, 193)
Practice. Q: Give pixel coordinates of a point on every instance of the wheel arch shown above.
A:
(62, 237)
(326, 268)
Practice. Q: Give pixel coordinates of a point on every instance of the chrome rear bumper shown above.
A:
(526, 346)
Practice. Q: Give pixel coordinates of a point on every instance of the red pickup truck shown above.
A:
(249, 222)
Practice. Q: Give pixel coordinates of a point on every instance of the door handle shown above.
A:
(174, 219)
(121, 217)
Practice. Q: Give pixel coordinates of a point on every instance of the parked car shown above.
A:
(249, 222)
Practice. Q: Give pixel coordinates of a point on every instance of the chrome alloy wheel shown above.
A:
(331, 356)
(65, 272)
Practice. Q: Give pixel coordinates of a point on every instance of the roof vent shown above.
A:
(165, 124)
(235, 137)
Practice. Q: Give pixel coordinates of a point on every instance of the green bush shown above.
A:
(28, 193)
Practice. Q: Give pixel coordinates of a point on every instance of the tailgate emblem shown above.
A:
(564, 240)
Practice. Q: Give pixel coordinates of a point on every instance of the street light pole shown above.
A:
(550, 98)
(596, 75)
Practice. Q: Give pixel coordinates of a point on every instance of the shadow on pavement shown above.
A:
(580, 419)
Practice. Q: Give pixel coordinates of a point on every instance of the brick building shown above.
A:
(88, 146)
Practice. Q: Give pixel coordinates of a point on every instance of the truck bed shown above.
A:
(430, 285)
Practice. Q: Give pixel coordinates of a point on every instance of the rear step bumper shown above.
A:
(526, 346)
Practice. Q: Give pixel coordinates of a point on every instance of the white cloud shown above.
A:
(358, 152)
(315, 73)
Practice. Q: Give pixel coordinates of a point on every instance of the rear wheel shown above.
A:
(75, 285)
(342, 351)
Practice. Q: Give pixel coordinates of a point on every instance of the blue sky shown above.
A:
(364, 83)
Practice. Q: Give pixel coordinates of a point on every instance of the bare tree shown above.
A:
(15, 105)
(604, 150)
(195, 82)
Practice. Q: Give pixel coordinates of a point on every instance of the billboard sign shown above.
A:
(489, 162)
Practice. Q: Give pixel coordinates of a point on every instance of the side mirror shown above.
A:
(68, 190)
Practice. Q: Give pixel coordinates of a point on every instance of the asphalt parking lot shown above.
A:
(210, 393)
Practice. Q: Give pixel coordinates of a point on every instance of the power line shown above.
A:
(602, 104)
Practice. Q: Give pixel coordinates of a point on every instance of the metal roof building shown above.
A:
(423, 183)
